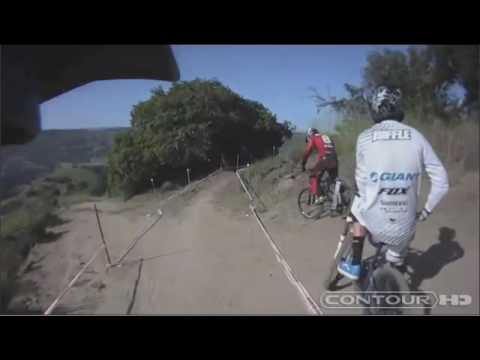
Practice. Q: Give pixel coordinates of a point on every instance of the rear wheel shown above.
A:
(390, 284)
(306, 205)
(308, 208)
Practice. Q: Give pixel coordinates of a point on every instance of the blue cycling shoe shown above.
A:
(350, 271)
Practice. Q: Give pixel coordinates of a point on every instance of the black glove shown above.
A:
(423, 215)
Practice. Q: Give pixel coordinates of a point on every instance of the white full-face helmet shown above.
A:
(386, 104)
(310, 133)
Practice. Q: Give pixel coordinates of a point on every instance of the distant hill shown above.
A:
(20, 164)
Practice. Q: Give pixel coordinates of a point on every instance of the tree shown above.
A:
(423, 73)
(458, 63)
(192, 125)
(387, 67)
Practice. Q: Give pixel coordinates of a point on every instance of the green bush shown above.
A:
(25, 219)
(193, 125)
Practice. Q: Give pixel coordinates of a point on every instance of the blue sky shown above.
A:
(279, 76)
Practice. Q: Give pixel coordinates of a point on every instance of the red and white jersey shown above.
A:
(323, 144)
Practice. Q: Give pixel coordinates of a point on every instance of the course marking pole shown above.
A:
(107, 254)
(104, 244)
(153, 185)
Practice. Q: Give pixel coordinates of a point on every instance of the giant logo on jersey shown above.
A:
(392, 176)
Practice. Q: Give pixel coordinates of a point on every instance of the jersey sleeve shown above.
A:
(361, 173)
(437, 174)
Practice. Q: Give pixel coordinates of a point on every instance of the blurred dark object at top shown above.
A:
(33, 74)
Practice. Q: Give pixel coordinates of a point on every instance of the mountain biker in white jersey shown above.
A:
(390, 157)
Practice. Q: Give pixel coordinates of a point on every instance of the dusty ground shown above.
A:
(448, 242)
(207, 255)
(200, 258)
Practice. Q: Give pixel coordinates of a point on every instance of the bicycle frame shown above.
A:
(343, 236)
(324, 182)
(336, 192)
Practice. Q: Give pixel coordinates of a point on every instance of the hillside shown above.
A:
(21, 164)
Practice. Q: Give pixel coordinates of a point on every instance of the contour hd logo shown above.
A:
(392, 299)
(391, 176)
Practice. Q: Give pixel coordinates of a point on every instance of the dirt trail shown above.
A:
(203, 261)
(200, 258)
(207, 255)
(448, 242)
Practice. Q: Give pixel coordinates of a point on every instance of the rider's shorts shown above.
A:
(395, 253)
(329, 164)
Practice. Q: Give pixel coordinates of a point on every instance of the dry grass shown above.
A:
(269, 177)
(26, 218)
(456, 145)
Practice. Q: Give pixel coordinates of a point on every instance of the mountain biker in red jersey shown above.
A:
(326, 160)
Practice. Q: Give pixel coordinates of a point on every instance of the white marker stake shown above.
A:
(153, 184)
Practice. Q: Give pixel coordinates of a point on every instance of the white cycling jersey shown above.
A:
(390, 158)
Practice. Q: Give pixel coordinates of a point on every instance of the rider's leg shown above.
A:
(316, 173)
(359, 233)
(396, 254)
(333, 170)
(351, 267)
(313, 184)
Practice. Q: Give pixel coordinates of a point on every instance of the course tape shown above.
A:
(130, 247)
(159, 211)
(70, 284)
(312, 306)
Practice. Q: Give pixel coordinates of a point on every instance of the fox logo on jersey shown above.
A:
(394, 191)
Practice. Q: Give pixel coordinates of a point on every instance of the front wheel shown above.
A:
(344, 251)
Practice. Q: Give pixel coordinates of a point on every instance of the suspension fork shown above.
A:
(343, 235)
